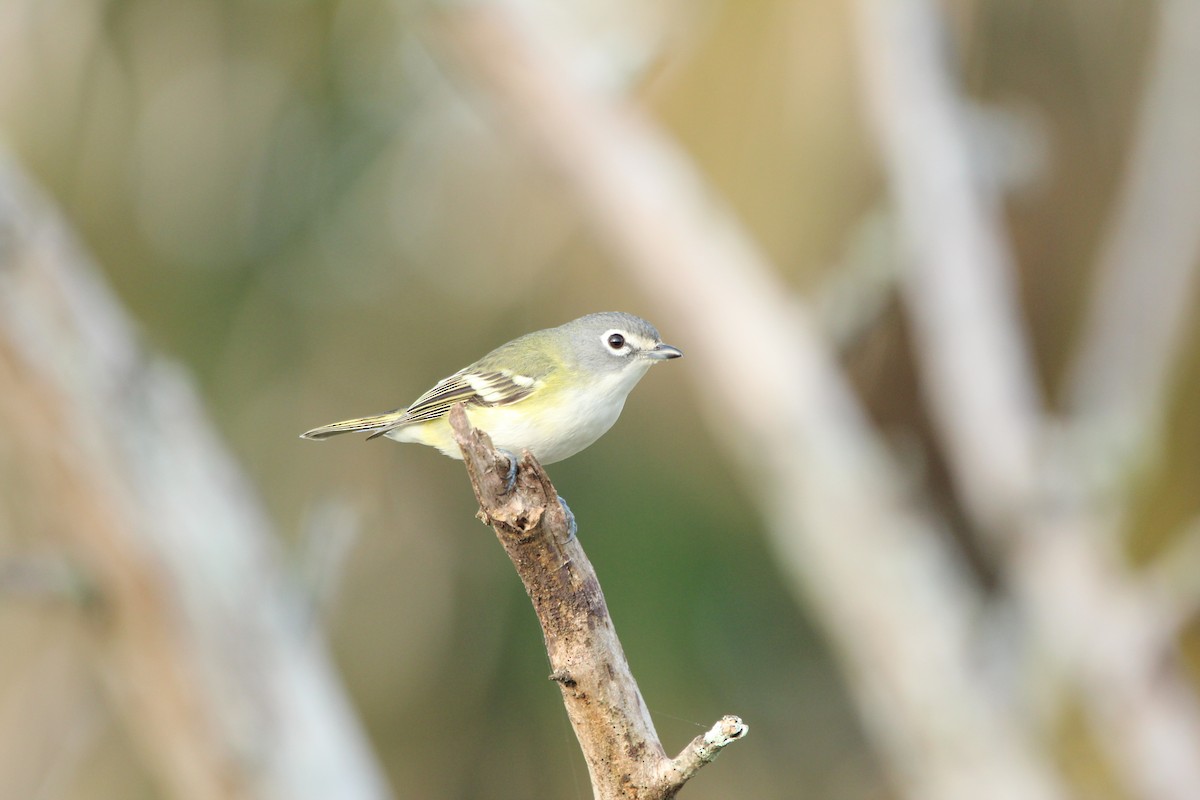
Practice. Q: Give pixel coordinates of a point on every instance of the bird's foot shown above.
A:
(510, 478)
(572, 528)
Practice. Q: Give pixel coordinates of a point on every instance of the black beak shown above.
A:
(663, 352)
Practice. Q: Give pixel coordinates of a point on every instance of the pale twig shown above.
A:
(892, 598)
(625, 758)
(1149, 259)
(704, 749)
(975, 368)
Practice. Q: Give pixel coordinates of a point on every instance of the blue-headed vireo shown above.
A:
(552, 392)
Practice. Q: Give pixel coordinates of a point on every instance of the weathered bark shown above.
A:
(624, 756)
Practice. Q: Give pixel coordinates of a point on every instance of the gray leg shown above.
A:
(510, 480)
(572, 528)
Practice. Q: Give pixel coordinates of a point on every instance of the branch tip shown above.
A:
(703, 750)
(727, 730)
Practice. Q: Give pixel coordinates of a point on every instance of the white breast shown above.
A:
(582, 417)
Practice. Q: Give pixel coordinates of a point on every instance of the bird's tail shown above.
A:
(378, 424)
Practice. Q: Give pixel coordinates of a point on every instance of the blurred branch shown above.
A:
(1106, 630)
(1173, 573)
(958, 282)
(624, 756)
(853, 298)
(42, 577)
(1147, 272)
(892, 598)
(227, 694)
(50, 718)
(328, 535)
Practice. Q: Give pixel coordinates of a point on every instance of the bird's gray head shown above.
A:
(612, 341)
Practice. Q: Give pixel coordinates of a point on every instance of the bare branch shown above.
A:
(625, 759)
(1150, 259)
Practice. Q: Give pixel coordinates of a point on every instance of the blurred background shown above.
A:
(307, 206)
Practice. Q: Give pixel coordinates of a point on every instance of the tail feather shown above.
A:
(379, 424)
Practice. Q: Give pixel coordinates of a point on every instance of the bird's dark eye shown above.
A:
(616, 341)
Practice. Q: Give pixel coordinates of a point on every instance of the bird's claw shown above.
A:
(510, 478)
(572, 528)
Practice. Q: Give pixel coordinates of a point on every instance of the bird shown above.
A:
(551, 392)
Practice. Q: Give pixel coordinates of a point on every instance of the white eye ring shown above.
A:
(615, 341)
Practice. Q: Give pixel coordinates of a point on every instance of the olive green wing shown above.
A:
(491, 381)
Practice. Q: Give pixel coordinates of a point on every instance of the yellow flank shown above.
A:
(434, 433)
